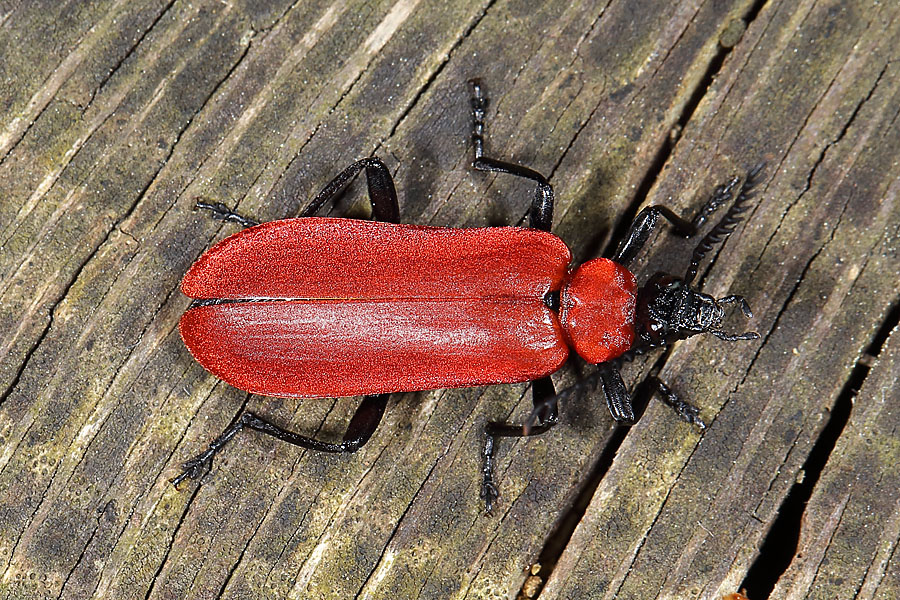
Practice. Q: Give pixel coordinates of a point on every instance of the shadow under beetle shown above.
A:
(329, 307)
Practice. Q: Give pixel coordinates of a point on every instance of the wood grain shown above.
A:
(115, 116)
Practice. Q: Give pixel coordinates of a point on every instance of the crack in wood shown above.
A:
(779, 546)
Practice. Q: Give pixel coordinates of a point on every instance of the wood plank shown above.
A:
(682, 516)
(851, 526)
(106, 141)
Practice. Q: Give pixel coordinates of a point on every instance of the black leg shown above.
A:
(363, 424)
(618, 400)
(544, 416)
(685, 410)
(643, 224)
(223, 213)
(546, 413)
(541, 211)
(382, 193)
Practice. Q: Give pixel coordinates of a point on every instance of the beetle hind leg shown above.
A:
(223, 213)
(362, 425)
(382, 193)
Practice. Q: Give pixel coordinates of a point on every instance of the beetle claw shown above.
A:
(221, 212)
(218, 209)
(193, 469)
(489, 494)
(542, 413)
(729, 337)
(691, 414)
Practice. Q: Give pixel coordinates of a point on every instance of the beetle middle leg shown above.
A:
(541, 211)
(362, 425)
(545, 414)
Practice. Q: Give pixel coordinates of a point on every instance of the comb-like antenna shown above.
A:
(724, 227)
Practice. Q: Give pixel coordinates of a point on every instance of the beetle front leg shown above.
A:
(688, 412)
(544, 416)
(620, 403)
(363, 424)
(619, 400)
(640, 229)
(223, 213)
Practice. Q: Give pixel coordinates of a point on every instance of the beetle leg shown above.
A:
(382, 194)
(547, 410)
(642, 226)
(720, 196)
(686, 411)
(363, 424)
(742, 302)
(223, 213)
(541, 211)
(730, 337)
(618, 400)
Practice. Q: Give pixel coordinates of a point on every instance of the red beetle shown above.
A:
(326, 307)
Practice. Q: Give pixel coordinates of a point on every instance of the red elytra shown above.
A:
(319, 307)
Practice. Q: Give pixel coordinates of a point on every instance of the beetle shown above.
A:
(328, 307)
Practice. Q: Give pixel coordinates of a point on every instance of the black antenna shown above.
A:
(724, 227)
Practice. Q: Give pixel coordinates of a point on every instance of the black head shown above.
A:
(668, 309)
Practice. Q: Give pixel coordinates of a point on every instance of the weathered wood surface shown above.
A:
(849, 543)
(116, 115)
